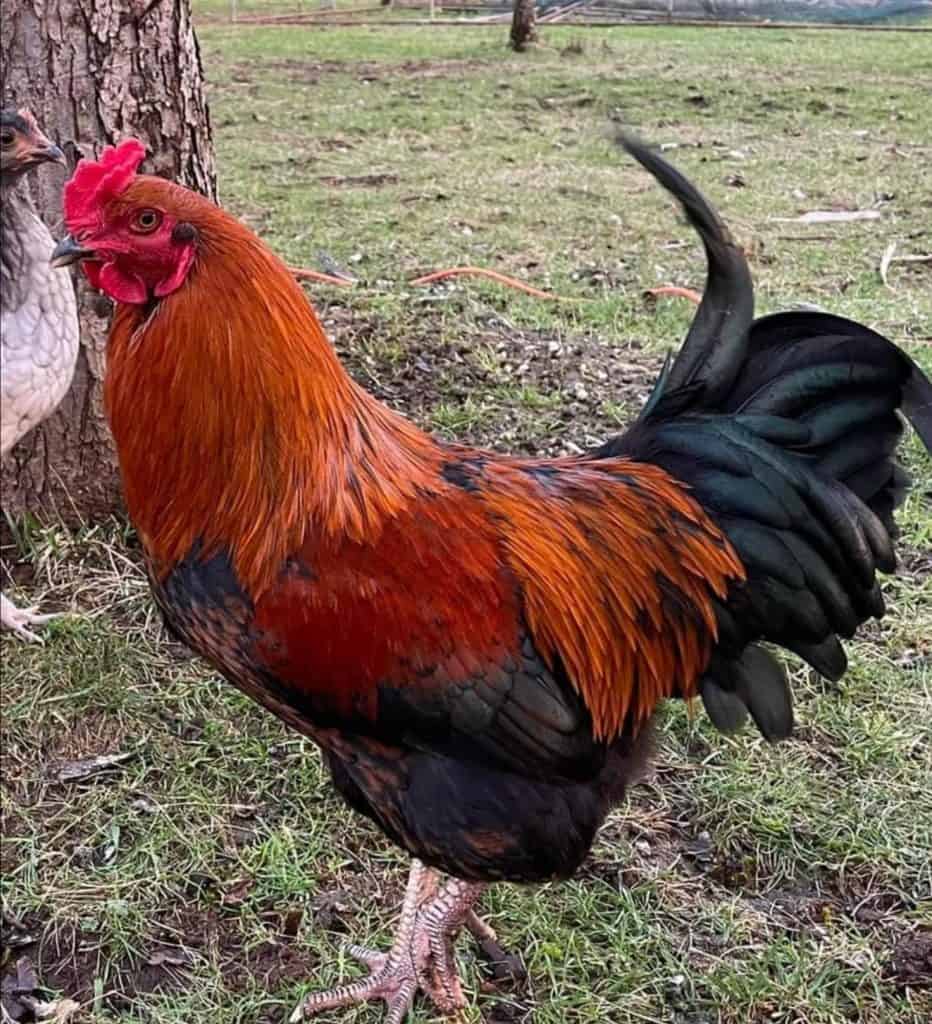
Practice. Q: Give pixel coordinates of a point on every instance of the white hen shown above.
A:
(39, 327)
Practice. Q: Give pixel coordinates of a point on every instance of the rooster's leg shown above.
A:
(20, 619)
(443, 918)
(421, 956)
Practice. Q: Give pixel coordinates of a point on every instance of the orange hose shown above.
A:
(493, 275)
(303, 274)
(675, 290)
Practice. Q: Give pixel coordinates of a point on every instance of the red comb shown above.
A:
(95, 183)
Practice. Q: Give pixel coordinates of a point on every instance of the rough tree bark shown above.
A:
(93, 72)
(523, 25)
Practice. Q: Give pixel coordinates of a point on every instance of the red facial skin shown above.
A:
(135, 250)
(139, 255)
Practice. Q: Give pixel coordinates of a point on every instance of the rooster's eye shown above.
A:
(146, 221)
(7, 137)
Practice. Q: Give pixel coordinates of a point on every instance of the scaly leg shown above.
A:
(421, 956)
(443, 918)
(19, 619)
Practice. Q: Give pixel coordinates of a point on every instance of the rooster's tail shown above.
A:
(785, 429)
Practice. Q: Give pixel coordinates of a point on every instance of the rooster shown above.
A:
(39, 342)
(478, 643)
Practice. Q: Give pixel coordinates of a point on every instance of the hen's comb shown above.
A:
(96, 182)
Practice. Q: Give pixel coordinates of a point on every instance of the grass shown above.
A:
(212, 874)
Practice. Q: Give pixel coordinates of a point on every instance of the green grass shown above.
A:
(742, 883)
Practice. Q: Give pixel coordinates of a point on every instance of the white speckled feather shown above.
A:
(38, 328)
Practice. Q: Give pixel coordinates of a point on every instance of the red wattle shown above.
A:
(92, 273)
(121, 286)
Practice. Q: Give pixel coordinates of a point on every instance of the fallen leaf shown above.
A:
(236, 892)
(176, 957)
(14, 933)
(23, 980)
(56, 1012)
(144, 805)
(85, 768)
(329, 910)
(291, 921)
(16, 991)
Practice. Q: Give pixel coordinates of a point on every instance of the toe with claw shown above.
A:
(421, 958)
(18, 620)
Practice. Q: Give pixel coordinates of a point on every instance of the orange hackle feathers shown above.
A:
(235, 424)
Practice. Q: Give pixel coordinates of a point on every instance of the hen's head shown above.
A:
(23, 145)
(136, 236)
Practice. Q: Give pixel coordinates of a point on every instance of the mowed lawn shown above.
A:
(209, 874)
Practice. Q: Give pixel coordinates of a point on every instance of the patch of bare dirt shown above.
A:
(910, 965)
(66, 959)
(508, 1013)
(581, 381)
(310, 72)
(270, 965)
(94, 735)
(914, 563)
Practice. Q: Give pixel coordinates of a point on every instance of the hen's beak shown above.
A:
(52, 154)
(67, 252)
(40, 151)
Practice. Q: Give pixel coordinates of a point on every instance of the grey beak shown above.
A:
(67, 252)
(43, 152)
(55, 155)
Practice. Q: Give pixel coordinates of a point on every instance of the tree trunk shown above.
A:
(523, 25)
(94, 72)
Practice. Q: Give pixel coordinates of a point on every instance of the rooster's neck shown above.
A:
(237, 428)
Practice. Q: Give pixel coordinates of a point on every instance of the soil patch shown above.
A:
(66, 959)
(538, 393)
(911, 963)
